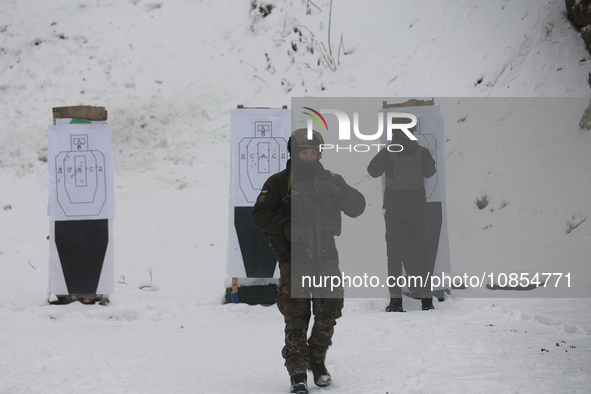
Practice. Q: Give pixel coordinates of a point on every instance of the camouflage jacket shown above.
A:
(329, 192)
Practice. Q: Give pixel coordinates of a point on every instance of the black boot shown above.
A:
(299, 384)
(427, 304)
(395, 305)
(321, 376)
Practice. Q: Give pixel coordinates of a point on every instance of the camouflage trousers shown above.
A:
(297, 313)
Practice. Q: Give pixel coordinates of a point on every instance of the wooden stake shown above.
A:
(240, 106)
(86, 112)
(409, 103)
(235, 299)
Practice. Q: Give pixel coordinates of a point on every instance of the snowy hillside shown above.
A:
(169, 73)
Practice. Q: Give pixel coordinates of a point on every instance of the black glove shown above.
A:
(331, 189)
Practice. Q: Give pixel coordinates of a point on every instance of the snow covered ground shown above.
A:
(169, 73)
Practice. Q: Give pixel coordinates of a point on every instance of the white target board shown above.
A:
(80, 161)
(259, 150)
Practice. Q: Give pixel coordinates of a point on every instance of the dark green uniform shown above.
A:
(405, 204)
(323, 195)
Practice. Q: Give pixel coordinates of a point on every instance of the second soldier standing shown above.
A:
(405, 203)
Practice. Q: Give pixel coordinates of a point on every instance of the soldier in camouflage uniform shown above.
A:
(317, 197)
(405, 203)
